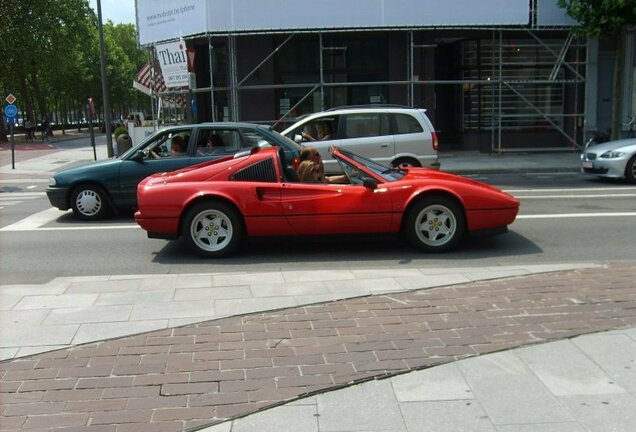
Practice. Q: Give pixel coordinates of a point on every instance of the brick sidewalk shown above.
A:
(190, 376)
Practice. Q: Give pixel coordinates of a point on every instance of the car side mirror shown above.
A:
(298, 138)
(138, 156)
(369, 183)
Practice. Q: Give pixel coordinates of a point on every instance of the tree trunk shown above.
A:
(618, 85)
(28, 104)
(40, 97)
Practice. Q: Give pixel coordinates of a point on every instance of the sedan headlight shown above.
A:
(52, 181)
(612, 154)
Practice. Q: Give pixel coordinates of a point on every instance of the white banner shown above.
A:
(173, 63)
(160, 20)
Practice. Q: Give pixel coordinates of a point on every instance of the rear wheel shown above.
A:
(630, 170)
(435, 224)
(212, 229)
(89, 202)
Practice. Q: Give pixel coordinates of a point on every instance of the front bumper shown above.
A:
(614, 168)
(58, 197)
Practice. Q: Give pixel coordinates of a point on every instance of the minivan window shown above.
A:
(406, 124)
(366, 125)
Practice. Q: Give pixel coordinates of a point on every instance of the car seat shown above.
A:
(289, 173)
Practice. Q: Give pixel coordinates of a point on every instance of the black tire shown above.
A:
(435, 224)
(212, 229)
(630, 170)
(90, 202)
(405, 161)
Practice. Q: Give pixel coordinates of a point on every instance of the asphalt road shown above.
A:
(564, 218)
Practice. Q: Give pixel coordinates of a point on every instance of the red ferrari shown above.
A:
(217, 204)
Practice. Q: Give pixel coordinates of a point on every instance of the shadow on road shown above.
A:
(364, 251)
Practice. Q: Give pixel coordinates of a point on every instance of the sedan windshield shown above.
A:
(389, 174)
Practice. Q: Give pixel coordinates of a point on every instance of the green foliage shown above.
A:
(50, 57)
(120, 131)
(597, 17)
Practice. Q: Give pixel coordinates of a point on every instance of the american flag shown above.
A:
(144, 80)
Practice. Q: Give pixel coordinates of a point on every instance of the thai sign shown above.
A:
(174, 64)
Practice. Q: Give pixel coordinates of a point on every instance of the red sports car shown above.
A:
(217, 204)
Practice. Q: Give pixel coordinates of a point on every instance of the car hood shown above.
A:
(627, 145)
(92, 168)
(431, 174)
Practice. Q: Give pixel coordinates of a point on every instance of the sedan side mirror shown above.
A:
(298, 138)
(369, 183)
(138, 156)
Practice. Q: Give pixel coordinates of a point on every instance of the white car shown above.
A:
(613, 159)
(389, 135)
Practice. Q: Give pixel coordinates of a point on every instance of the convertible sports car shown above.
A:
(256, 193)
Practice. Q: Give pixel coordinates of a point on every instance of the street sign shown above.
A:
(10, 111)
(10, 99)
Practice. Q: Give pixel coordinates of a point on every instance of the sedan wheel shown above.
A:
(630, 170)
(212, 229)
(89, 202)
(435, 224)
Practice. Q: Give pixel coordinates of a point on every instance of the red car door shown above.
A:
(336, 209)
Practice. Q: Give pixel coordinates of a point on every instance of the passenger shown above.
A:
(309, 172)
(310, 153)
(215, 141)
(178, 146)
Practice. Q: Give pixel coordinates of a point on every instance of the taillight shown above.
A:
(435, 143)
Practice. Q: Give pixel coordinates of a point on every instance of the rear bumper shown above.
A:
(159, 228)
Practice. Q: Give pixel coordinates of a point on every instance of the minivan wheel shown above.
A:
(406, 162)
(435, 224)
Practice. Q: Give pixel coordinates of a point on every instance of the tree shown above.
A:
(606, 18)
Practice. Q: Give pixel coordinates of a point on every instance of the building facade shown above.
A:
(494, 75)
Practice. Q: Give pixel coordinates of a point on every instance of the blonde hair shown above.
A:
(305, 171)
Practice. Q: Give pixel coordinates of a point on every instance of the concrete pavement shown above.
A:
(523, 348)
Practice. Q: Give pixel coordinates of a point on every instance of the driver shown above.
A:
(310, 153)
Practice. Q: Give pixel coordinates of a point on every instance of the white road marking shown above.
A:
(575, 196)
(627, 188)
(577, 215)
(22, 194)
(24, 181)
(34, 221)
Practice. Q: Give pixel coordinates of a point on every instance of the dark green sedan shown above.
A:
(99, 189)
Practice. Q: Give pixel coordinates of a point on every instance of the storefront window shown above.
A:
(525, 103)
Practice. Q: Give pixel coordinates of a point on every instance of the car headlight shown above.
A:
(52, 181)
(612, 154)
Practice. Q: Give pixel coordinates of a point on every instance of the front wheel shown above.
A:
(435, 224)
(630, 170)
(89, 202)
(212, 229)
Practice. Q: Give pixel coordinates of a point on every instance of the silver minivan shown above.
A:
(390, 135)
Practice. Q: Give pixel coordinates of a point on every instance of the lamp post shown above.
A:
(102, 60)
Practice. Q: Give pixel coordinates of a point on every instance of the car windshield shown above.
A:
(389, 174)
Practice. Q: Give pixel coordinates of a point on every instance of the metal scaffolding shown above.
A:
(506, 99)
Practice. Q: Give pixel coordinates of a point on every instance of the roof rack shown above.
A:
(343, 107)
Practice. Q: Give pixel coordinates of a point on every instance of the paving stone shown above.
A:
(242, 364)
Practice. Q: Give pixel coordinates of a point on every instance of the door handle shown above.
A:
(384, 145)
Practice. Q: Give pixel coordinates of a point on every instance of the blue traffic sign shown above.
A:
(10, 111)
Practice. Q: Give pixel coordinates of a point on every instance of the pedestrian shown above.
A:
(28, 130)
